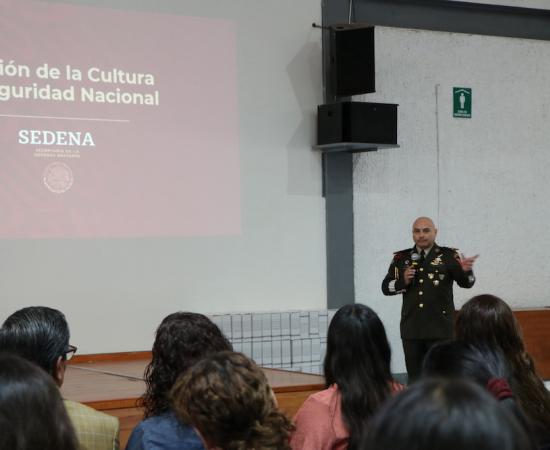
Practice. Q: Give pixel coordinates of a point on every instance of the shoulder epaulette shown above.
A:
(401, 254)
(452, 249)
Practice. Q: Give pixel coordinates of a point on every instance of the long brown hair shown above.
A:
(182, 339)
(488, 320)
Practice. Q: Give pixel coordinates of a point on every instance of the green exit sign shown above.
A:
(462, 102)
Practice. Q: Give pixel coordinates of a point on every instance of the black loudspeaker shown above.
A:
(356, 126)
(352, 60)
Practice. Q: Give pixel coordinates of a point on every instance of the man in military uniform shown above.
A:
(424, 274)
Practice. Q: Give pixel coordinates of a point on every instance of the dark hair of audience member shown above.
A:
(487, 320)
(485, 366)
(39, 334)
(227, 398)
(465, 360)
(32, 414)
(358, 360)
(182, 339)
(436, 414)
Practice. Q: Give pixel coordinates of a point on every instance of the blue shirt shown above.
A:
(163, 432)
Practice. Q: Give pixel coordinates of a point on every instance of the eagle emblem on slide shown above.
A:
(58, 177)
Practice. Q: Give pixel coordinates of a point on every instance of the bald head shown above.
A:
(424, 232)
(423, 221)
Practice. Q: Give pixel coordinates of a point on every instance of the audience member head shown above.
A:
(41, 335)
(486, 320)
(358, 360)
(32, 414)
(455, 359)
(227, 398)
(435, 414)
(182, 339)
(484, 366)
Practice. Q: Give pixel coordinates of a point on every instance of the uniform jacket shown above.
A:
(428, 307)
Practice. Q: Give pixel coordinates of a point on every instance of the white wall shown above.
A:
(115, 292)
(484, 180)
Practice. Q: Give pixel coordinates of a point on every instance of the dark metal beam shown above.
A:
(338, 179)
(451, 16)
(338, 190)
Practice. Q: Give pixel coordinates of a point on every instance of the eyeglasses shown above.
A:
(69, 353)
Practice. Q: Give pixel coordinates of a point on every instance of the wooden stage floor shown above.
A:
(114, 383)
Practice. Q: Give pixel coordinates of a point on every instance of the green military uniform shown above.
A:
(428, 307)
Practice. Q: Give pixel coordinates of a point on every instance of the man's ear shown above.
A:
(59, 374)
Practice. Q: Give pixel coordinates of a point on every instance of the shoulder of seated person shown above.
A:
(80, 408)
(326, 396)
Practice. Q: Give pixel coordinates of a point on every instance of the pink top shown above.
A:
(319, 422)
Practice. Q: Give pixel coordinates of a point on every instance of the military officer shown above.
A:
(424, 275)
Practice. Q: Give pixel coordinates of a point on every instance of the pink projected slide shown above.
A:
(116, 123)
